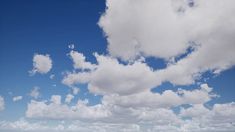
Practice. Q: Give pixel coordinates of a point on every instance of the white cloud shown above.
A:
(17, 98)
(2, 103)
(163, 28)
(151, 28)
(69, 98)
(56, 110)
(79, 61)
(110, 77)
(41, 64)
(35, 92)
(136, 30)
(167, 99)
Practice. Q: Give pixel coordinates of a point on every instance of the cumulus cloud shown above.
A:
(35, 92)
(167, 99)
(79, 61)
(163, 28)
(2, 103)
(17, 98)
(55, 110)
(110, 76)
(136, 30)
(41, 64)
(166, 28)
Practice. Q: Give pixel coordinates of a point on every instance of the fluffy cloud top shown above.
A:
(110, 76)
(2, 103)
(17, 98)
(41, 64)
(55, 110)
(164, 28)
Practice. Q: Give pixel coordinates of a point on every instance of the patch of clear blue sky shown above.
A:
(47, 27)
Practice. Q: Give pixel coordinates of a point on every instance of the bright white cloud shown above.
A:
(167, 99)
(110, 76)
(41, 64)
(79, 61)
(163, 28)
(55, 110)
(17, 98)
(2, 103)
(35, 92)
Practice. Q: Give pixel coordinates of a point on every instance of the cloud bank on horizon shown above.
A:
(193, 37)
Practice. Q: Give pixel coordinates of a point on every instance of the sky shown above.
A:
(117, 65)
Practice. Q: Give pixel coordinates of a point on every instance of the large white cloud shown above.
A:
(163, 28)
(41, 64)
(2, 103)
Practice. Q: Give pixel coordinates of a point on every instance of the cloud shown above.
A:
(168, 99)
(136, 30)
(166, 28)
(55, 110)
(17, 98)
(79, 61)
(110, 76)
(52, 76)
(2, 103)
(69, 98)
(35, 92)
(41, 64)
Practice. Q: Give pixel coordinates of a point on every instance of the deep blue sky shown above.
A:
(47, 27)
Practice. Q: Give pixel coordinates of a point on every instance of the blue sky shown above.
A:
(29, 27)
(127, 54)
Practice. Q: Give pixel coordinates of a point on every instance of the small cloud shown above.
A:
(69, 98)
(35, 92)
(41, 64)
(71, 46)
(17, 98)
(75, 90)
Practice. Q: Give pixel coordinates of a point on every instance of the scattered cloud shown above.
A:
(35, 92)
(17, 98)
(41, 64)
(79, 61)
(55, 110)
